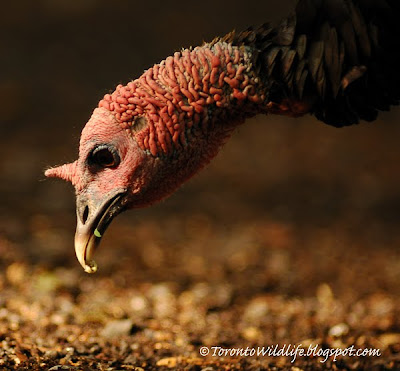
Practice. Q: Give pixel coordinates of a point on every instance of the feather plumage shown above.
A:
(344, 55)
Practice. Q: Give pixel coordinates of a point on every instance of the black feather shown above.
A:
(341, 55)
(351, 51)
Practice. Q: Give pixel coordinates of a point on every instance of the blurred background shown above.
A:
(288, 204)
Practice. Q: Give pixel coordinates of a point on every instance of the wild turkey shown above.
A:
(336, 59)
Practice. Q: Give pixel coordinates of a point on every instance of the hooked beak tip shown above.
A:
(91, 267)
(84, 248)
(91, 225)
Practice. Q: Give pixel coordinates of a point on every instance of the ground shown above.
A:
(240, 257)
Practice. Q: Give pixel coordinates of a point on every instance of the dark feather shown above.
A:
(342, 55)
(350, 49)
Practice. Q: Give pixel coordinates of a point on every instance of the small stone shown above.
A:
(58, 319)
(47, 282)
(389, 339)
(53, 354)
(257, 309)
(251, 333)
(117, 328)
(339, 330)
(16, 273)
(324, 294)
(139, 303)
(70, 350)
(169, 362)
(131, 359)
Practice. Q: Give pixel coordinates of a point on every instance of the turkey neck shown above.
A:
(200, 92)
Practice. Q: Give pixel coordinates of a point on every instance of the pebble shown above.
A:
(53, 354)
(117, 328)
(16, 273)
(251, 333)
(47, 282)
(324, 294)
(169, 362)
(339, 330)
(256, 309)
(389, 339)
(138, 303)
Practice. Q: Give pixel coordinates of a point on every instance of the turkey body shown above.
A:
(339, 58)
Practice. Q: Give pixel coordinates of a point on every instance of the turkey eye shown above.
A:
(104, 156)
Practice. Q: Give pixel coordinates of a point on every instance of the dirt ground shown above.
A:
(289, 238)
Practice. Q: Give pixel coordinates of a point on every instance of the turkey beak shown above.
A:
(93, 218)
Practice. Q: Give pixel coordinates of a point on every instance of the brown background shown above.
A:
(60, 57)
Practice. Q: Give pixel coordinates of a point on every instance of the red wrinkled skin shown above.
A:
(185, 92)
